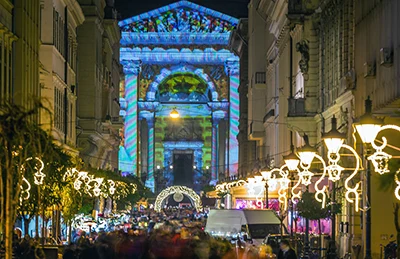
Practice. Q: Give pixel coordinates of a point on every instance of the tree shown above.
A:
(387, 184)
(308, 207)
(21, 138)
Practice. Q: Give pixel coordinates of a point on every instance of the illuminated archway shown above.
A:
(193, 196)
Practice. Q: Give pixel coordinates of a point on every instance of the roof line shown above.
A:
(182, 3)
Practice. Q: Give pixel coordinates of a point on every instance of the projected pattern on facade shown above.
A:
(174, 58)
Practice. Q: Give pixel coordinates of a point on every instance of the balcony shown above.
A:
(256, 132)
(298, 9)
(297, 107)
(260, 80)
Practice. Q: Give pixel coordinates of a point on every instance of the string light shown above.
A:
(174, 189)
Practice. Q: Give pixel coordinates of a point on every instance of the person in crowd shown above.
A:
(286, 252)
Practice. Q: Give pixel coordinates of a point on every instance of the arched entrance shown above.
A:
(194, 198)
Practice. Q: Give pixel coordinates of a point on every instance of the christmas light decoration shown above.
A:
(177, 189)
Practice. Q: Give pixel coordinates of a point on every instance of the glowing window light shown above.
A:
(174, 189)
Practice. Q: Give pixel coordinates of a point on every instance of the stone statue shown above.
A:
(302, 47)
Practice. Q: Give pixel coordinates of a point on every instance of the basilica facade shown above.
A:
(179, 97)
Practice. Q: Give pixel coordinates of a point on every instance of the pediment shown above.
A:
(182, 16)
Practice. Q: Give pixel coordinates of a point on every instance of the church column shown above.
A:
(131, 70)
(221, 149)
(232, 69)
(215, 152)
(150, 155)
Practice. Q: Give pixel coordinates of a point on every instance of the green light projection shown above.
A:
(182, 83)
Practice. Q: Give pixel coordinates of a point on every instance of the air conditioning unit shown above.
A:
(369, 70)
(386, 57)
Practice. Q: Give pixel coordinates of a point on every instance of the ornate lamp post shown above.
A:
(306, 154)
(333, 141)
(368, 128)
(292, 162)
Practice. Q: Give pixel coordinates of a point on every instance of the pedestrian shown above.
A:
(286, 252)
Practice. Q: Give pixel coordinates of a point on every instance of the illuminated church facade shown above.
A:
(176, 61)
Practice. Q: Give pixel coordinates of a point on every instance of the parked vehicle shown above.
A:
(247, 225)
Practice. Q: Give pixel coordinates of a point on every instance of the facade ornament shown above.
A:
(232, 67)
(132, 66)
(302, 47)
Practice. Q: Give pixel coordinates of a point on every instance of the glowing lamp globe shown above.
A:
(291, 161)
(306, 153)
(258, 179)
(333, 139)
(368, 126)
(266, 174)
(174, 114)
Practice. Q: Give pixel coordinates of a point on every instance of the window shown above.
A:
(59, 120)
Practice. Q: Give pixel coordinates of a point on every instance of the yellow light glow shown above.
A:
(174, 114)
(306, 157)
(259, 179)
(333, 144)
(397, 190)
(368, 132)
(292, 164)
(352, 194)
(266, 175)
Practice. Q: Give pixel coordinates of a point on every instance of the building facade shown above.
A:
(320, 63)
(176, 59)
(98, 85)
(239, 42)
(58, 68)
(7, 39)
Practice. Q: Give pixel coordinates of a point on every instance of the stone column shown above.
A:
(131, 70)
(214, 148)
(232, 69)
(150, 155)
(215, 144)
(221, 149)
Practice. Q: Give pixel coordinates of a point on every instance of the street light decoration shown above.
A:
(306, 155)
(368, 126)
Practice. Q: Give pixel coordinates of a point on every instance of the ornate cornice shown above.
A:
(232, 66)
(175, 56)
(174, 38)
(132, 66)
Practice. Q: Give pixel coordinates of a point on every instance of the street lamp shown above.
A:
(174, 114)
(291, 160)
(334, 141)
(306, 155)
(368, 128)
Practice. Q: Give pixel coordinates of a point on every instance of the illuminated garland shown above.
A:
(38, 178)
(177, 189)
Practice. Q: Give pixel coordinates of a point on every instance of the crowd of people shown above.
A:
(173, 234)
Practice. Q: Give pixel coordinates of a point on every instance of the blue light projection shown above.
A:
(181, 23)
(162, 75)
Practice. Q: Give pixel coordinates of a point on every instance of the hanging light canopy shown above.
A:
(174, 114)
(291, 160)
(368, 126)
(333, 139)
(307, 152)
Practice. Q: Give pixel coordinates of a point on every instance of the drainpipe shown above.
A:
(66, 106)
(291, 132)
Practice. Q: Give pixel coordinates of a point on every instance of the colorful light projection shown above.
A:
(182, 16)
(232, 69)
(179, 76)
(128, 153)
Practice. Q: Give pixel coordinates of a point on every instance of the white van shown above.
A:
(233, 224)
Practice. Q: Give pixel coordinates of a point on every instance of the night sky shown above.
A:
(129, 8)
